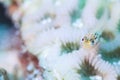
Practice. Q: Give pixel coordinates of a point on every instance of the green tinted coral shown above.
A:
(107, 35)
(113, 56)
(118, 26)
(77, 12)
(87, 69)
(69, 47)
(99, 12)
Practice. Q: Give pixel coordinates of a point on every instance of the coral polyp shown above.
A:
(60, 39)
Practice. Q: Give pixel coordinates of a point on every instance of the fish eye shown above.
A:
(92, 41)
(82, 39)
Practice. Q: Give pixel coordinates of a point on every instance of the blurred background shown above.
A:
(28, 28)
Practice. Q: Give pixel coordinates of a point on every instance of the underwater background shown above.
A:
(59, 40)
